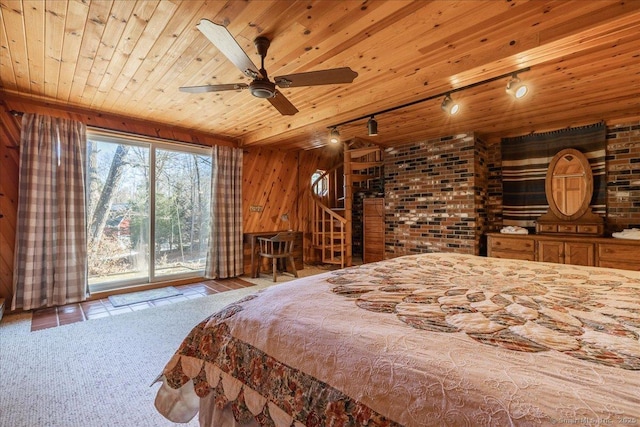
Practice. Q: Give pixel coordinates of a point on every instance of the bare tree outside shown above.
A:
(120, 215)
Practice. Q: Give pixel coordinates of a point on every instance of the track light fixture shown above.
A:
(516, 88)
(372, 126)
(334, 135)
(449, 105)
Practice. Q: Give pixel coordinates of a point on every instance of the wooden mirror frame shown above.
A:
(581, 222)
(588, 183)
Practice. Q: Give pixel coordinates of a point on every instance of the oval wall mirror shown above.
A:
(569, 184)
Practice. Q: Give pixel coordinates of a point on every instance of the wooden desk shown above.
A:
(252, 238)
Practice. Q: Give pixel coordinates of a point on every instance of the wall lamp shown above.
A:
(372, 124)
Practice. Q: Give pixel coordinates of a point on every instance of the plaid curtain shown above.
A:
(224, 258)
(50, 266)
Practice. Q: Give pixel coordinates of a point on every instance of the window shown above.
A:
(321, 187)
(147, 210)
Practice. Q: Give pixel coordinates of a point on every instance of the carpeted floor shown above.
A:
(95, 373)
(98, 373)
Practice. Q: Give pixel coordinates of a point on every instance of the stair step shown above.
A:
(361, 152)
(337, 245)
(336, 235)
(327, 247)
(328, 227)
(332, 260)
(362, 178)
(365, 165)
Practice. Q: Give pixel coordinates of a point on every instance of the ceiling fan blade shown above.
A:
(213, 88)
(227, 44)
(282, 104)
(315, 78)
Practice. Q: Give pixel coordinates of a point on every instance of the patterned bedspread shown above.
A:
(421, 340)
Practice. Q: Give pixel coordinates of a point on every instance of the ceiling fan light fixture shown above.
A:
(372, 126)
(449, 106)
(516, 88)
(334, 136)
(262, 89)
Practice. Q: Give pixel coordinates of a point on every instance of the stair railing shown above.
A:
(325, 235)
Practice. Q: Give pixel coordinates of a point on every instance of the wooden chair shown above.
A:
(277, 248)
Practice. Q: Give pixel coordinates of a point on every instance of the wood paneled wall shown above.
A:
(275, 181)
(10, 137)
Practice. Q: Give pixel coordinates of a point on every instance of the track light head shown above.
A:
(372, 126)
(449, 105)
(516, 88)
(334, 136)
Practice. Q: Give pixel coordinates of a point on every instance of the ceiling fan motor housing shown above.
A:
(262, 88)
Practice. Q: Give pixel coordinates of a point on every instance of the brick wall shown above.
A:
(481, 194)
(623, 177)
(494, 188)
(433, 196)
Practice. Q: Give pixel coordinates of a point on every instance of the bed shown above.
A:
(420, 340)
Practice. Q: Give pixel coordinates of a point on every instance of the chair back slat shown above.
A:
(279, 245)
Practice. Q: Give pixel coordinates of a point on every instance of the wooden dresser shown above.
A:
(373, 230)
(577, 250)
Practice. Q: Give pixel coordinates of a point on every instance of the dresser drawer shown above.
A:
(588, 229)
(547, 228)
(567, 228)
(516, 245)
(527, 256)
(619, 252)
(620, 264)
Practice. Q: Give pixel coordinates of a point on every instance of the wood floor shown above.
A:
(56, 316)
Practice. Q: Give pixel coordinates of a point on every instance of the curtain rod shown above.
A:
(429, 98)
(134, 135)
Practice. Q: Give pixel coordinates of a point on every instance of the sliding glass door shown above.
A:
(148, 210)
(182, 199)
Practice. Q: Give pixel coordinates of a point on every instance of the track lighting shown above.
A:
(372, 126)
(334, 136)
(516, 88)
(449, 105)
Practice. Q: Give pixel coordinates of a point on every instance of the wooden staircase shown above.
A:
(331, 225)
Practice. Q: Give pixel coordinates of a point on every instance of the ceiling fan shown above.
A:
(261, 86)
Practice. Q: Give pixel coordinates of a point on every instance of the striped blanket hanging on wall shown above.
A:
(525, 160)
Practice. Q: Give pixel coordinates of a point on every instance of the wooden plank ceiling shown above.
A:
(130, 57)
